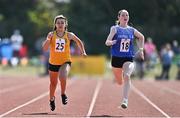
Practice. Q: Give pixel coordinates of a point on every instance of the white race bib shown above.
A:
(124, 45)
(60, 45)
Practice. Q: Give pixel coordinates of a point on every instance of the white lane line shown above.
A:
(27, 103)
(170, 90)
(98, 86)
(151, 103)
(18, 87)
(12, 88)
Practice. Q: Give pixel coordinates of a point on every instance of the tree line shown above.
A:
(90, 19)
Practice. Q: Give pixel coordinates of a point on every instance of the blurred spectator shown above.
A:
(140, 65)
(176, 50)
(150, 53)
(166, 60)
(38, 45)
(45, 62)
(17, 40)
(0, 49)
(23, 52)
(44, 56)
(175, 47)
(6, 51)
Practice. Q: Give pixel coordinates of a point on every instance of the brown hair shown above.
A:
(60, 17)
(119, 13)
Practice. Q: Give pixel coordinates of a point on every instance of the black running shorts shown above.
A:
(55, 68)
(118, 62)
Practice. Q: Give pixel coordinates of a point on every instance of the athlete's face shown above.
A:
(60, 24)
(123, 17)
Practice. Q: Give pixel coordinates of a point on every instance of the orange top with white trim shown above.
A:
(59, 49)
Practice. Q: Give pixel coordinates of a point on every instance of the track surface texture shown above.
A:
(88, 97)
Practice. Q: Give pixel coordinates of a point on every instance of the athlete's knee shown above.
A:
(126, 76)
(64, 75)
(119, 81)
(128, 68)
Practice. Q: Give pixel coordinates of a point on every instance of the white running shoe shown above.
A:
(124, 103)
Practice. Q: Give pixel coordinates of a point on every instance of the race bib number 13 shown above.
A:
(124, 45)
(60, 45)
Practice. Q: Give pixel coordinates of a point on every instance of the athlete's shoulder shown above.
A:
(70, 35)
(131, 28)
(114, 28)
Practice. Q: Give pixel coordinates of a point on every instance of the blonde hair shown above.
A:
(60, 17)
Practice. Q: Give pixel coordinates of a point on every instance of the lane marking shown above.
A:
(149, 101)
(170, 90)
(29, 102)
(18, 86)
(12, 88)
(98, 86)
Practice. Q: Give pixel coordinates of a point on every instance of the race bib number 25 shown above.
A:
(124, 45)
(60, 45)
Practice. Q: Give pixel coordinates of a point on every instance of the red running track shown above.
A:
(88, 97)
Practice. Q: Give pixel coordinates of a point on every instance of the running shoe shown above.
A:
(52, 104)
(124, 103)
(64, 99)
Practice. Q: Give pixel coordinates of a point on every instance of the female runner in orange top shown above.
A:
(60, 59)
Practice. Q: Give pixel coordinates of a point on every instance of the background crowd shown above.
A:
(24, 24)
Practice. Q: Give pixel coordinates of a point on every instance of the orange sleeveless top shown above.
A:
(59, 49)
